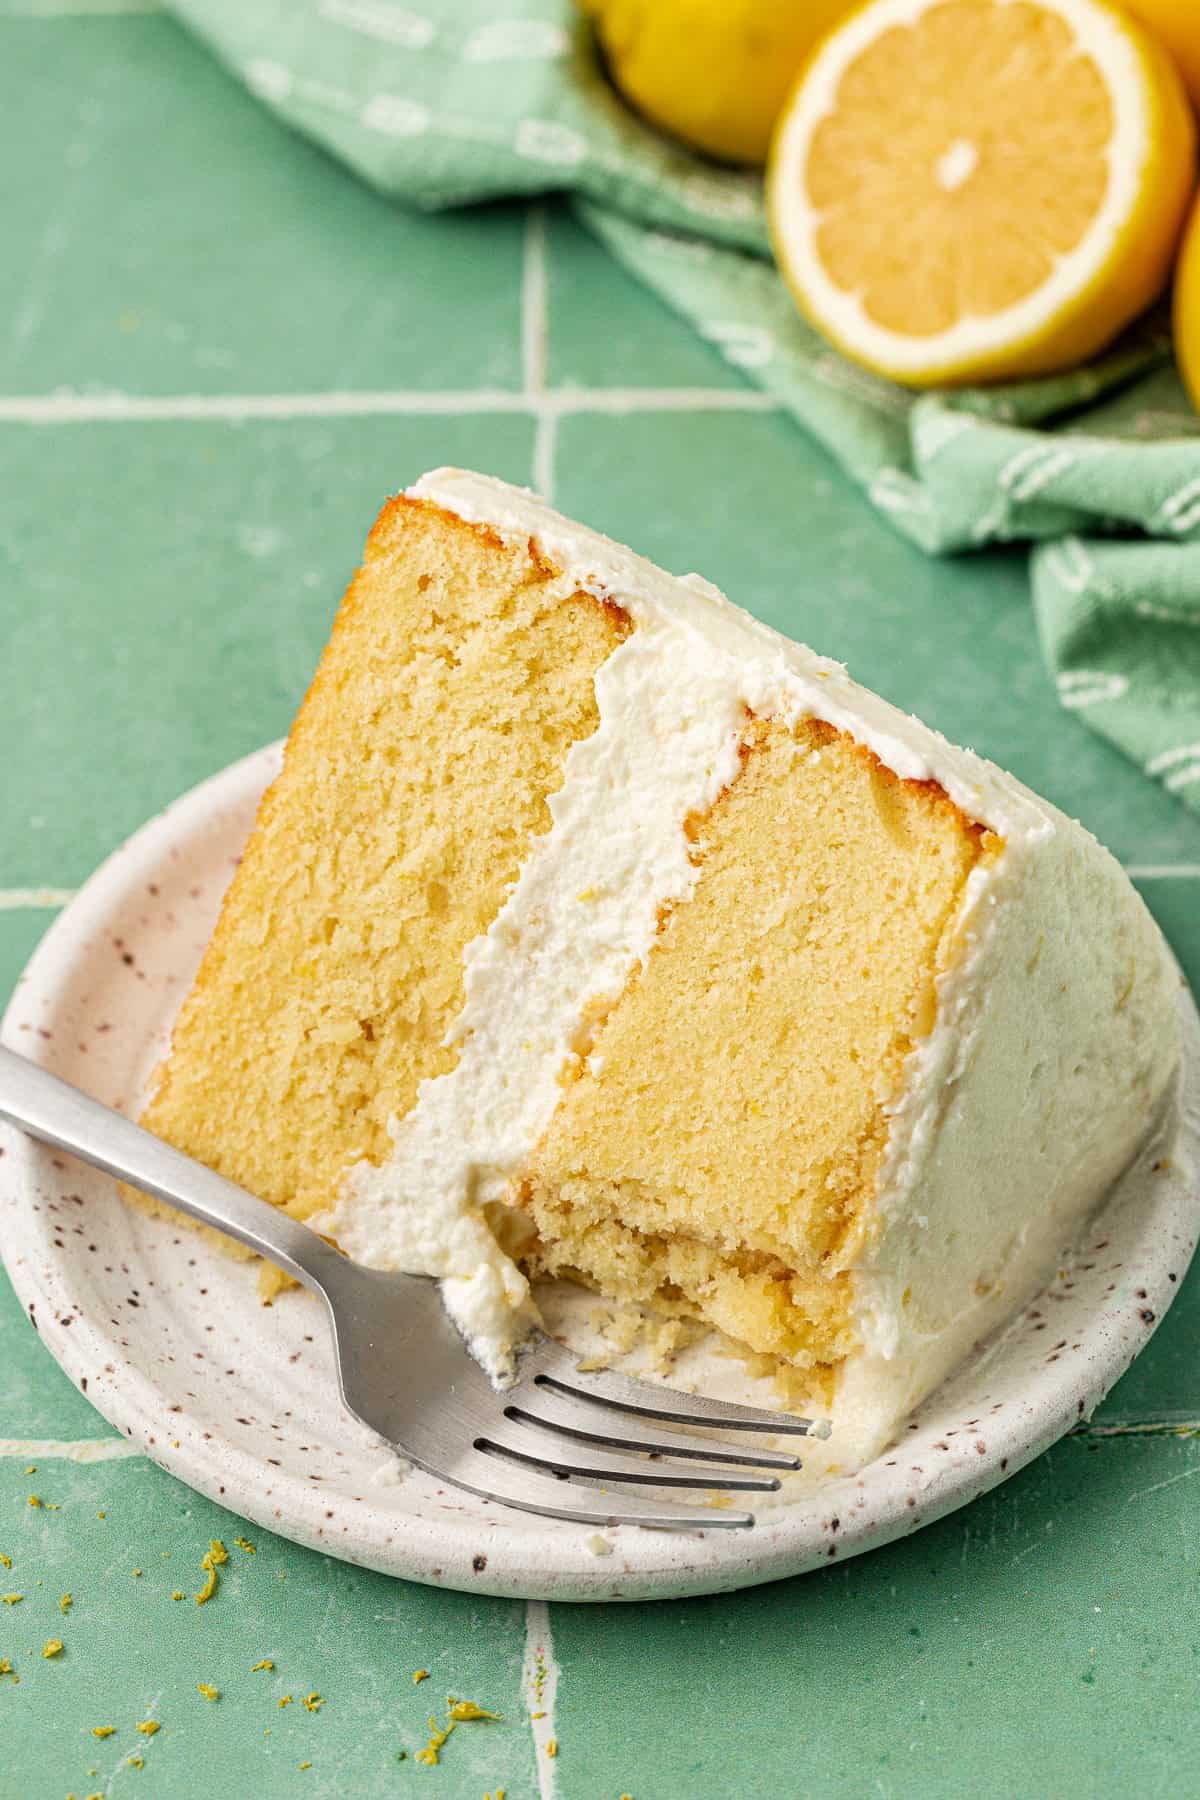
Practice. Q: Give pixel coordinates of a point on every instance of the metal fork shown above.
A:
(561, 1442)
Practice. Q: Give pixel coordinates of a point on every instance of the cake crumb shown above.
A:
(598, 1544)
(52, 1647)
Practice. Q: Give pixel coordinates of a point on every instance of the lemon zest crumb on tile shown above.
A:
(211, 1561)
(266, 1663)
(137, 1762)
(103, 1731)
(6, 1560)
(137, 1572)
(551, 1746)
(12, 1599)
(34, 1500)
(420, 1675)
(52, 1647)
(437, 1737)
(306, 1765)
(286, 1700)
(32, 1469)
(312, 1702)
(177, 1594)
(208, 1690)
(460, 1712)
(102, 1515)
(148, 1727)
(245, 1544)
(65, 1604)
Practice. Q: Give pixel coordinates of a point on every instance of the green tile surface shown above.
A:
(1023, 1646)
(168, 236)
(131, 1653)
(165, 587)
(608, 330)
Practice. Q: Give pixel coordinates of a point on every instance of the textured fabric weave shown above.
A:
(448, 102)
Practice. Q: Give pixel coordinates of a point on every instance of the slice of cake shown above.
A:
(583, 895)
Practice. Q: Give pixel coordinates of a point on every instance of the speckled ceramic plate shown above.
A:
(165, 1335)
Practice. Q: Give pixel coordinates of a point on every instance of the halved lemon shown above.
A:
(966, 190)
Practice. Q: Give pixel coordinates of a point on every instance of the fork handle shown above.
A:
(55, 1112)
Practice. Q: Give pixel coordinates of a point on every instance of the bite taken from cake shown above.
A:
(593, 929)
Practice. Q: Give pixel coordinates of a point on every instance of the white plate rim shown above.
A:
(482, 1549)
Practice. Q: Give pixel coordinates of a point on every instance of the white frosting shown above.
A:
(1055, 1026)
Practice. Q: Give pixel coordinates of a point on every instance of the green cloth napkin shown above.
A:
(448, 102)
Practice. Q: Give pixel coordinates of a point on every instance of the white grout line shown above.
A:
(534, 331)
(1163, 871)
(117, 408)
(535, 341)
(1181, 1425)
(77, 1450)
(13, 899)
(120, 409)
(543, 455)
(539, 1683)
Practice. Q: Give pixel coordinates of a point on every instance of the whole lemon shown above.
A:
(1176, 25)
(1186, 319)
(712, 72)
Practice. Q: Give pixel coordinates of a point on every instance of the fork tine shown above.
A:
(491, 1479)
(585, 1425)
(538, 1451)
(555, 1369)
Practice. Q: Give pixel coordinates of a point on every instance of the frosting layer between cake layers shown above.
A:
(1055, 1024)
